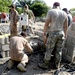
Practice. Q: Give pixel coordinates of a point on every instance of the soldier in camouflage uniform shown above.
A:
(31, 17)
(14, 17)
(56, 24)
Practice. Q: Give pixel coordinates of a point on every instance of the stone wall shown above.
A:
(4, 45)
(69, 50)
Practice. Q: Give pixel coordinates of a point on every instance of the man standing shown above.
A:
(14, 17)
(69, 16)
(17, 44)
(56, 24)
(31, 18)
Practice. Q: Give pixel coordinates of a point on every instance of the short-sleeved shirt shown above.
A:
(57, 18)
(17, 44)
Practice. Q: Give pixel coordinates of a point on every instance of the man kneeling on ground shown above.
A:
(17, 44)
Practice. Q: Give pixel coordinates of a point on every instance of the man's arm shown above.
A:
(46, 26)
(16, 17)
(45, 30)
(32, 14)
(65, 27)
(28, 47)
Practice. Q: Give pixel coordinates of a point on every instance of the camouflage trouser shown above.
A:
(55, 42)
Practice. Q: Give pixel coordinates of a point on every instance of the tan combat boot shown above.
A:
(21, 67)
(10, 64)
(57, 65)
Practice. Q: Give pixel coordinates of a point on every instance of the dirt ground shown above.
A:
(32, 66)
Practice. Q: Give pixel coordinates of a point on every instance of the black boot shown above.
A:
(56, 65)
(44, 65)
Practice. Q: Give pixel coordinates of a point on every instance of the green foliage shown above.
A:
(38, 7)
(4, 5)
(72, 11)
(19, 9)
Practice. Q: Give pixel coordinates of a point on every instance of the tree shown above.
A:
(23, 2)
(19, 9)
(72, 10)
(4, 5)
(38, 7)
